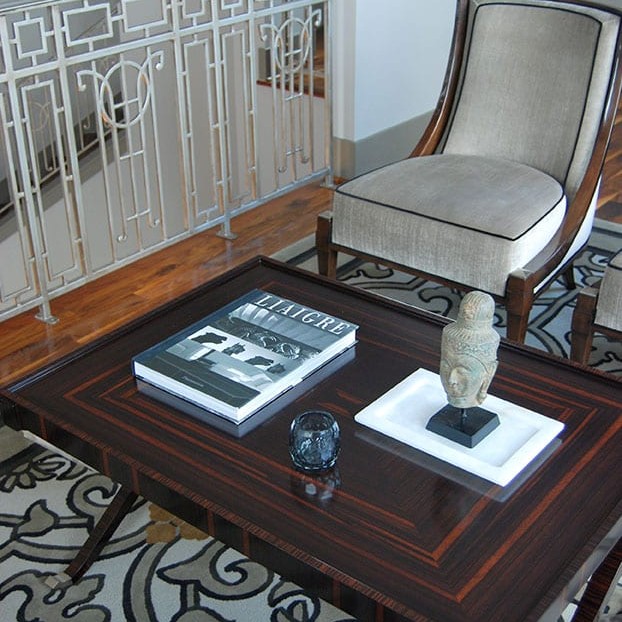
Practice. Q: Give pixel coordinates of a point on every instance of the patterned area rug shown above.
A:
(550, 319)
(157, 568)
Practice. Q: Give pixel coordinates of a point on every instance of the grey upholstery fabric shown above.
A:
(609, 305)
(472, 217)
(533, 81)
(527, 75)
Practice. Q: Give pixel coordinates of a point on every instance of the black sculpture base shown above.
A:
(467, 426)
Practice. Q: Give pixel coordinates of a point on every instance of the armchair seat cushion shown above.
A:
(609, 306)
(472, 219)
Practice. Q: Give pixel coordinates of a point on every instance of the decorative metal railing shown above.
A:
(130, 124)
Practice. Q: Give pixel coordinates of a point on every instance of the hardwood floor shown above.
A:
(112, 300)
(102, 305)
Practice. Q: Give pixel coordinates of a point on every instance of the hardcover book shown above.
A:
(246, 354)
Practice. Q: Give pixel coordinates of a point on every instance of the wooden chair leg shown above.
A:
(568, 277)
(519, 300)
(326, 256)
(582, 332)
(517, 326)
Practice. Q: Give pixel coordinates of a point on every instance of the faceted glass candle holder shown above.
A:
(314, 441)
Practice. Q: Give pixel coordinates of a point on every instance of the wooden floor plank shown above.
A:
(116, 298)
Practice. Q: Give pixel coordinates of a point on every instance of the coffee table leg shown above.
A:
(96, 541)
(600, 586)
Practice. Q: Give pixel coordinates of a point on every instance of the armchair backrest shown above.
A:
(534, 83)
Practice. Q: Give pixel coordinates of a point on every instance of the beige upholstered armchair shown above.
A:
(499, 194)
(599, 309)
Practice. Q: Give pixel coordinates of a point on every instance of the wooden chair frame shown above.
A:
(551, 262)
(584, 326)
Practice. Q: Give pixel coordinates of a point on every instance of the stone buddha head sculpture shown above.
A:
(469, 352)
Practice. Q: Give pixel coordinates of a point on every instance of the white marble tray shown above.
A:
(403, 412)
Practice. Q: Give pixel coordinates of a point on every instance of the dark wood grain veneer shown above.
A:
(401, 534)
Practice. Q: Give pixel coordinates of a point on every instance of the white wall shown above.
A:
(389, 61)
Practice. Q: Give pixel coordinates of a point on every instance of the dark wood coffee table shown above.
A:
(393, 532)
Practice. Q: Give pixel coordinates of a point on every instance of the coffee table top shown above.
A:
(426, 539)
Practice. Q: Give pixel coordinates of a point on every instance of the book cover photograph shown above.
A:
(244, 355)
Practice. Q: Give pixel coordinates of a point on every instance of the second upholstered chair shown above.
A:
(499, 194)
(599, 309)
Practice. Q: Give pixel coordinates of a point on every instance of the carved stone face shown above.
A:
(465, 378)
(469, 351)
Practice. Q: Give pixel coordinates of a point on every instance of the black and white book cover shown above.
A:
(239, 358)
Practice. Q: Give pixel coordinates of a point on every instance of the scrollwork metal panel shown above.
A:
(130, 124)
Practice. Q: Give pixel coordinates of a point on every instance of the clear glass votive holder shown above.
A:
(314, 441)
